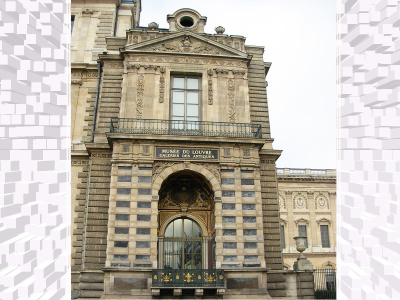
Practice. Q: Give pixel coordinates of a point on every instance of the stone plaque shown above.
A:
(126, 284)
(242, 283)
(186, 154)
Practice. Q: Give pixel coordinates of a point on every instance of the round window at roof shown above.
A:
(186, 21)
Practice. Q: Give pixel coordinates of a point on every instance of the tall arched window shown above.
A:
(182, 245)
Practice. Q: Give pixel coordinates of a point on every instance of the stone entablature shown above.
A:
(283, 172)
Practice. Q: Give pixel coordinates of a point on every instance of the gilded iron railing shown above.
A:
(188, 278)
(191, 128)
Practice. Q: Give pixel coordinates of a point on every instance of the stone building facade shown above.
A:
(174, 183)
(307, 202)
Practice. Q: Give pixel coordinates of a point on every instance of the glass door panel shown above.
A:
(183, 245)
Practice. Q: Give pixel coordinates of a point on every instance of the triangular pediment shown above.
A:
(185, 42)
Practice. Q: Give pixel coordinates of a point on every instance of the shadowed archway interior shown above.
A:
(186, 222)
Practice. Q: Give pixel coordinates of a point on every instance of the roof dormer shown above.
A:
(186, 19)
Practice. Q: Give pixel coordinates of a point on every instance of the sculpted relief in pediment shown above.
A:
(185, 45)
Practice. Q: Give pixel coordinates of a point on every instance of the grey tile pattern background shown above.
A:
(34, 150)
(369, 159)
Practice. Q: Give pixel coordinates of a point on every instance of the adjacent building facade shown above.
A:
(307, 202)
(174, 183)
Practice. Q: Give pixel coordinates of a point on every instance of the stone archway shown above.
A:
(187, 191)
(162, 170)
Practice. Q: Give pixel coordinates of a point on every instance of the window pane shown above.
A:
(197, 261)
(193, 118)
(188, 247)
(192, 111)
(283, 236)
(192, 98)
(178, 110)
(303, 232)
(324, 236)
(178, 97)
(179, 83)
(188, 261)
(196, 230)
(188, 228)
(191, 123)
(197, 247)
(193, 83)
(169, 230)
(179, 122)
(178, 228)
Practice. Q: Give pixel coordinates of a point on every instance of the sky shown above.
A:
(300, 41)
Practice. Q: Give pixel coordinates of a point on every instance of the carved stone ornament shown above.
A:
(84, 74)
(158, 167)
(139, 97)
(300, 202)
(113, 65)
(185, 45)
(231, 97)
(76, 81)
(136, 67)
(219, 30)
(221, 71)
(162, 85)
(237, 73)
(321, 202)
(213, 168)
(87, 11)
(79, 162)
(210, 87)
(153, 26)
(190, 60)
(301, 220)
(324, 220)
(282, 202)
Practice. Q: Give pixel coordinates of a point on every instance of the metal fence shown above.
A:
(194, 278)
(325, 283)
(183, 127)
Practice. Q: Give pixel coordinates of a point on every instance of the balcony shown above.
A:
(187, 128)
(195, 278)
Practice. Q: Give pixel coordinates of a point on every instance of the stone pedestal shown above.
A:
(198, 293)
(177, 293)
(302, 264)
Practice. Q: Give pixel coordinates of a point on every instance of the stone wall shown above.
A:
(257, 90)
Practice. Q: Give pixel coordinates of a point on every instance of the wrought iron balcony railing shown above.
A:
(197, 278)
(191, 128)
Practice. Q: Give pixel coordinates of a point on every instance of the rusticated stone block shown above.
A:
(92, 277)
(91, 266)
(96, 247)
(97, 222)
(307, 285)
(99, 197)
(306, 276)
(277, 293)
(99, 203)
(90, 293)
(96, 260)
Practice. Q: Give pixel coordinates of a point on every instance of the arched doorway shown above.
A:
(183, 245)
(186, 222)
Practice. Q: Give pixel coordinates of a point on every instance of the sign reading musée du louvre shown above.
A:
(184, 153)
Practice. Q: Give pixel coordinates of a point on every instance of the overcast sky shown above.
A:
(300, 40)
